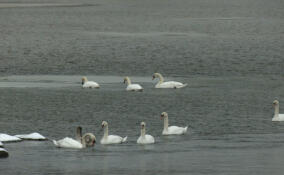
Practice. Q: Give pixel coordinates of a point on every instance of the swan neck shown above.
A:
(276, 111)
(161, 78)
(143, 132)
(83, 142)
(166, 123)
(106, 132)
(79, 134)
(128, 81)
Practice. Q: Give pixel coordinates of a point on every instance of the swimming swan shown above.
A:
(171, 130)
(277, 116)
(110, 139)
(32, 136)
(1, 144)
(8, 138)
(89, 84)
(3, 153)
(145, 138)
(168, 84)
(87, 140)
(132, 87)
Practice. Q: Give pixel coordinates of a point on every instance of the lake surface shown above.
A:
(229, 52)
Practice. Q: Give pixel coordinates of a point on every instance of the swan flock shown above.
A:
(137, 87)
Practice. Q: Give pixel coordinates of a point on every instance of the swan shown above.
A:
(32, 136)
(132, 87)
(8, 138)
(171, 130)
(89, 84)
(277, 116)
(1, 144)
(110, 139)
(168, 84)
(145, 138)
(3, 153)
(86, 140)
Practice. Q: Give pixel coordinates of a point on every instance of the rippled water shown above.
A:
(229, 52)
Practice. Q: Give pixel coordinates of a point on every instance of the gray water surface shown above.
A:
(229, 52)
(230, 126)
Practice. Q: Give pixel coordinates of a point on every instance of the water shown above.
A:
(230, 54)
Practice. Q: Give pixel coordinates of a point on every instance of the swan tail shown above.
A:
(183, 85)
(55, 143)
(185, 129)
(124, 139)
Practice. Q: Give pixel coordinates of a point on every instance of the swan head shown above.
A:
(104, 124)
(84, 79)
(89, 139)
(275, 103)
(125, 79)
(164, 114)
(154, 76)
(143, 124)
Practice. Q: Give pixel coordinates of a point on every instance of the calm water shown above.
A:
(229, 52)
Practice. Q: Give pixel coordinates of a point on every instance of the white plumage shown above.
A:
(111, 139)
(168, 84)
(171, 130)
(89, 84)
(32, 136)
(277, 117)
(145, 138)
(132, 87)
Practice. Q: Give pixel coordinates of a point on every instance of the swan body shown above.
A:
(68, 143)
(171, 130)
(8, 138)
(111, 139)
(145, 138)
(1, 144)
(32, 136)
(89, 84)
(168, 84)
(277, 116)
(3, 153)
(87, 140)
(132, 87)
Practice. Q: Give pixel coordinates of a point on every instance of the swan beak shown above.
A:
(102, 126)
(162, 117)
(153, 77)
(124, 81)
(82, 82)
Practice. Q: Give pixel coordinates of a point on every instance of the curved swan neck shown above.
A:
(160, 77)
(79, 133)
(276, 111)
(83, 142)
(106, 131)
(166, 123)
(143, 132)
(128, 80)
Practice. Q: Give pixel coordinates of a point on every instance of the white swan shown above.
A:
(110, 139)
(1, 144)
(86, 140)
(3, 153)
(171, 130)
(32, 136)
(132, 87)
(89, 84)
(168, 84)
(145, 138)
(8, 138)
(277, 116)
